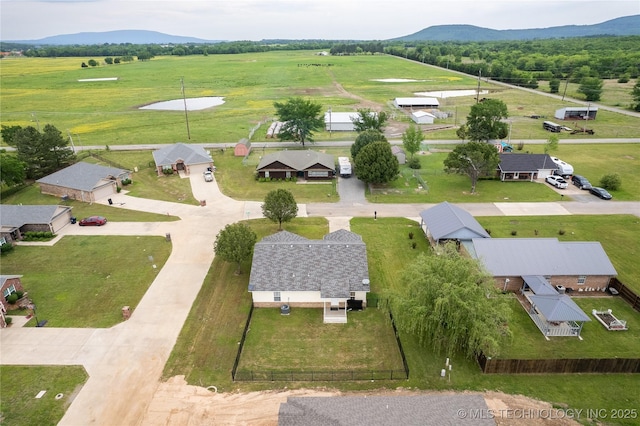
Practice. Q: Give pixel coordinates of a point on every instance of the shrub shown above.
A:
(611, 181)
(413, 245)
(167, 171)
(561, 232)
(414, 163)
(118, 189)
(12, 298)
(126, 182)
(624, 78)
(6, 248)
(411, 235)
(488, 231)
(514, 233)
(20, 293)
(8, 320)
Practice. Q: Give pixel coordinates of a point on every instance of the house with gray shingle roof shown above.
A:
(182, 157)
(16, 220)
(83, 182)
(331, 273)
(525, 167)
(444, 222)
(305, 164)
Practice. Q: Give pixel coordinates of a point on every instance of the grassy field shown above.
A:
(213, 331)
(20, 384)
(106, 112)
(85, 281)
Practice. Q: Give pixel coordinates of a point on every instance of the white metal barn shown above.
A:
(422, 117)
(340, 121)
(421, 102)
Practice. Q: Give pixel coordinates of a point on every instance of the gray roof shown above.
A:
(335, 265)
(188, 154)
(425, 410)
(298, 160)
(446, 221)
(539, 285)
(542, 256)
(83, 176)
(17, 216)
(4, 278)
(558, 307)
(515, 162)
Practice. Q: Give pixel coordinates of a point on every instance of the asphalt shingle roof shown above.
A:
(17, 216)
(515, 162)
(189, 154)
(298, 160)
(82, 176)
(424, 410)
(335, 265)
(446, 221)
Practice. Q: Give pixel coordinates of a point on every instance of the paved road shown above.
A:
(125, 362)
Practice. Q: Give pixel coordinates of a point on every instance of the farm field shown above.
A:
(37, 91)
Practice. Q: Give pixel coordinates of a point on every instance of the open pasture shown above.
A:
(36, 91)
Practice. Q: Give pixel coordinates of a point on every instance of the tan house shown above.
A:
(16, 220)
(84, 182)
(307, 164)
(181, 157)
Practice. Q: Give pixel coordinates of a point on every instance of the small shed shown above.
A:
(399, 153)
(242, 148)
(422, 117)
(576, 113)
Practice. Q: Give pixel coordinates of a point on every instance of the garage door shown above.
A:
(104, 191)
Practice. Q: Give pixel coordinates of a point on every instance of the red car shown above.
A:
(93, 221)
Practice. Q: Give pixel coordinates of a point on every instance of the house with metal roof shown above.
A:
(332, 273)
(304, 164)
(444, 222)
(525, 167)
(83, 182)
(384, 410)
(181, 157)
(16, 220)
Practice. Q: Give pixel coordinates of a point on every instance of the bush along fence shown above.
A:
(490, 365)
(318, 375)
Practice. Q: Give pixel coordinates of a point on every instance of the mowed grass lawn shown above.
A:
(19, 384)
(107, 112)
(84, 281)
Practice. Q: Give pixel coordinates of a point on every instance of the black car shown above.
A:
(600, 192)
(581, 182)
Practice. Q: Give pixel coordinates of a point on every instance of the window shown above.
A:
(352, 295)
(288, 174)
(266, 173)
(582, 279)
(276, 296)
(7, 291)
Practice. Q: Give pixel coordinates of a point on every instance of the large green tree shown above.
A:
(300, 117)
(12, 170)
(591, 88)
(473, 159)
(43, 153)
(279, 206)
(376, 163)
(635, 93)
(411, 139)
(484, 121)
(364, 139)
(235, 244)
(370, 120)
(451, 305)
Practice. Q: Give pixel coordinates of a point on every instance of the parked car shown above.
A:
(557, 181)
(600, 192)
(93, 221)
(208, 176)
(581, 182)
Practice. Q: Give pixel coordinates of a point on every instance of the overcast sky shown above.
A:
(294, 19)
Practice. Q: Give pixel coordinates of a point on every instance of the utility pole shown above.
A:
(186, 116)
(565, 88)
(478, 94)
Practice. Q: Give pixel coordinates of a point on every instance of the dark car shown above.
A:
(581, 182)
(93, 221)
(600, 192)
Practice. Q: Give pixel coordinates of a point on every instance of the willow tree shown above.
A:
(450, 304)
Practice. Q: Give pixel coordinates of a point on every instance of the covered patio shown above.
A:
(556, 315)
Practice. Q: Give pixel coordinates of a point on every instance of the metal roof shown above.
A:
(446, 221)
(189, 154)
(420, 101)
(298, 159)
(427, 410)
(558, 307)
(539, 285)
(542, 256)
(341, 117)
(516, 162)
(335, 265)
(18, 216)
(82, 176)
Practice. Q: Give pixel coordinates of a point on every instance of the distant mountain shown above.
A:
(115, 37)
(628, 25)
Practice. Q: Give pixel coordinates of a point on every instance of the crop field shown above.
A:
(37, 91)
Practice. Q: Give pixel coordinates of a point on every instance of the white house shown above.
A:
(332, 273)
(422, 117)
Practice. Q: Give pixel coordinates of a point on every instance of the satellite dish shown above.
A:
(365, 281)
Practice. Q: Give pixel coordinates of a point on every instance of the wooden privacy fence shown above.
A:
(626, 293)
(569, 365)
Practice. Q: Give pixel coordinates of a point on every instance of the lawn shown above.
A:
(20, 384)
(302, 342)
(31, 195)
(84, 281)
(106, 112)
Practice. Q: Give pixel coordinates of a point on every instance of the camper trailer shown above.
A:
(344, 167)
(564, 169)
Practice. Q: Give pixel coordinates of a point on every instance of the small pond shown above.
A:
(193, 104)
